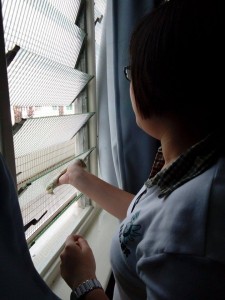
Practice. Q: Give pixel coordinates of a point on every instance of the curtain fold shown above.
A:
(18, 276)
(126, 153)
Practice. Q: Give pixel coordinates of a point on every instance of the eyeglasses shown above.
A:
(127, 72)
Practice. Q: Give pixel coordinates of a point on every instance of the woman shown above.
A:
(171, 240)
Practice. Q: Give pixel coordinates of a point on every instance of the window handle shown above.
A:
(33, 222)
(23, 188)
(11, 54)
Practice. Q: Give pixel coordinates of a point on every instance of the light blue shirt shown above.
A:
(174, 249)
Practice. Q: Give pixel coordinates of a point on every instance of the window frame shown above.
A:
(47, 266)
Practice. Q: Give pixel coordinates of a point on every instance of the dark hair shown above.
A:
(176, 58)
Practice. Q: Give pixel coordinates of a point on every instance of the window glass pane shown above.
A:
(38, 205)
(69, 8)
(40, 133)
(34, 165)
(35, 80)
(48, 102)
(40, 28)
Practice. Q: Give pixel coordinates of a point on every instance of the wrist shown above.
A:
(78, 280)
(84, 288)
(81, 180)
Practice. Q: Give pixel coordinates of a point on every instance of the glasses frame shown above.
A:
(127, 72)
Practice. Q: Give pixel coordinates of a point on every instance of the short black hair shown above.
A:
(177, 56)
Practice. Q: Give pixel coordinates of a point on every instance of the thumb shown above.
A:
(64, 179)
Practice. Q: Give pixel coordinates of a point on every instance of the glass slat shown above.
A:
(39, 27)
(68, 8)
(36, 81)
(40, 133)
(33, 165)
(35, 201)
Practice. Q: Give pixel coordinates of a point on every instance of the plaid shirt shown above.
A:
(188, 165)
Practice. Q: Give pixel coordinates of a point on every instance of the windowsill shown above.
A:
(97, 228)
(99, 237)
(49, 244)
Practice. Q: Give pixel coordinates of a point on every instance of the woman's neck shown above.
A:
(178, 138)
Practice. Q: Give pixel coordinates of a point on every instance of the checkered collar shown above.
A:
(188, 165)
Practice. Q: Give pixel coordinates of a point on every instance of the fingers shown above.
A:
(63, 179)
(73, 241)
(54, 183)
(73, 238)
(83, 243)
(71, 245)
(66, 177)
(76, 239)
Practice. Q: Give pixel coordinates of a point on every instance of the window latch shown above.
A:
(33, 221)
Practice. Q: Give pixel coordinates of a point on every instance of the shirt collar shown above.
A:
(188, 165)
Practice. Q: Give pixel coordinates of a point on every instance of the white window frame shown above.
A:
(45, 252)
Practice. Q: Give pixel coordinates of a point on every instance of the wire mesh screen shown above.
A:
(38, 206)
(43, 45)
(41, 28)
(37, 81)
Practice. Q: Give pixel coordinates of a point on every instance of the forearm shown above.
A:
(109, 197)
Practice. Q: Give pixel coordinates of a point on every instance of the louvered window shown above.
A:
(53, 121)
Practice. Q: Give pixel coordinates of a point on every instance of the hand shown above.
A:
(77, 261)
(72, 173)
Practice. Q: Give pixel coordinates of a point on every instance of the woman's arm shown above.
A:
(109, 197)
